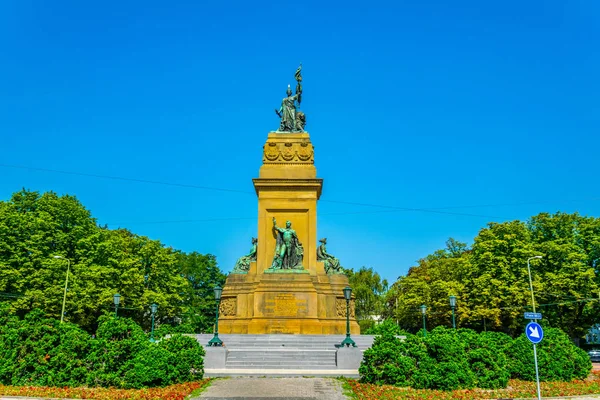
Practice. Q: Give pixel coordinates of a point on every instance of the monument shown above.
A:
(287, 284)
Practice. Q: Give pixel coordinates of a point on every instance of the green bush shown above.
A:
(451, 359)
(558, 358)
(39, 351)
(42, 351)
(388, 326)
(189, 361)
(8, 343)
(174, 360)
(388, 362)
(486, 356)
(118, 342)
(366, 324)
(446, 362)
(437, 361)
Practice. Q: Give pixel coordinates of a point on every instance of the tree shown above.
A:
(431, 282)
(36, 227)
(202, 275)
(491, 281)
(567, 276)
(369, 290)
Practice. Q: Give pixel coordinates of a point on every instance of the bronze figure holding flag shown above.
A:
(292, 119)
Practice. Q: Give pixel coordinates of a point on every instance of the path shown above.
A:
(273, 389)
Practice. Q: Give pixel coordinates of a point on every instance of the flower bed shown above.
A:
(515, 389)
(174, 392)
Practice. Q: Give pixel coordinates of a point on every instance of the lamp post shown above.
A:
(453, 306)
(215, 341)
(348, 340)
(153, 308)
(423, 311)
(116, 300)
(530, 283)
(537, 376)
(62, 314)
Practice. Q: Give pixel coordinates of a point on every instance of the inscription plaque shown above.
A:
(286, 305)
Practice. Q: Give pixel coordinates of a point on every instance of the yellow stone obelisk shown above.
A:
(301, 301)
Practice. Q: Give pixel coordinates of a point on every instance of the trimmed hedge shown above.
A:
(388, 326)
(449, 359)
(38, 351)
(558, 358)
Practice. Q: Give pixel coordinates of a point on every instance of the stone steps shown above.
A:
(293, 341)
(282, 352)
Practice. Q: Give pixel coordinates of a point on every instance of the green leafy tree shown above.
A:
(202, 275)
(567, 276)
(34, 228)
(369, 291)
(431, 282)
(491, 283)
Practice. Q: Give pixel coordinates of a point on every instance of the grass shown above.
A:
(516, 390)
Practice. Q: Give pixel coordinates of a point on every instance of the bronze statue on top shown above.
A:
(292, 120)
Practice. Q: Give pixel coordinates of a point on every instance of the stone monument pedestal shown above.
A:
(300, 300)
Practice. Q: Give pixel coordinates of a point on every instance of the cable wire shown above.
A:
(434, 210)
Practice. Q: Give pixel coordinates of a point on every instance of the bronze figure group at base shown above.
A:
(289, 253)
(242, 265)
(332, 264)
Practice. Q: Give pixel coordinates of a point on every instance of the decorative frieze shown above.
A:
(340, 306)
(285, 152)
(228, 307)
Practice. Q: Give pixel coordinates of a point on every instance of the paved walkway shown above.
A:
(279, 373)
(273, 389)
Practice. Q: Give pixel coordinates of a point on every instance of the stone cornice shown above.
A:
(283, 184)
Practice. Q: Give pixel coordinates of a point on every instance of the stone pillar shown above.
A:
(303, 301)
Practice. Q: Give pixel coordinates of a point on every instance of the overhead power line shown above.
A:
(120, 178)
(255, 218)
(389, 208)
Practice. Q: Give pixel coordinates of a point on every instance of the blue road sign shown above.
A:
(534, 332)
(532, 315)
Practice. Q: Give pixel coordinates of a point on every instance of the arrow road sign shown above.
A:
(534, 332)
(532, 315)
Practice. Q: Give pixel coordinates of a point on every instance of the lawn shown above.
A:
(516, 389)
(174, 392)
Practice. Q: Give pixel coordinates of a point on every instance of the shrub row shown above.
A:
(39, 351)
(449, 359)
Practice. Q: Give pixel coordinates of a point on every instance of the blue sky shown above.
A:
(489, 109)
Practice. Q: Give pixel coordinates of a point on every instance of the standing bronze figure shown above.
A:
(292, 119)
(288, 250)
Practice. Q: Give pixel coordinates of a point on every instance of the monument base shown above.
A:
(285, 303)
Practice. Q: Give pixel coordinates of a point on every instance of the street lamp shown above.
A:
(348, 341)
(453, 306)
(530, 283)
(423, 311)
(116, 300)
(153, 308)
(215, 341)
(62, 314)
